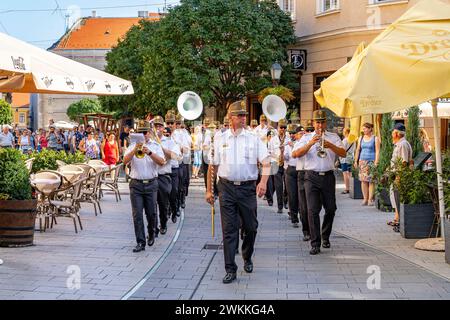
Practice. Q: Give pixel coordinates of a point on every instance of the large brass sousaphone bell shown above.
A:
(190, 105)
(274, 108)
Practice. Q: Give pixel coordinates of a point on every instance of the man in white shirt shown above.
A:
(235, 160)
(320, 182)
(6, 138)
(144, 184)
(291, 176)
(176, 170)
(171, 152)
(282, 139)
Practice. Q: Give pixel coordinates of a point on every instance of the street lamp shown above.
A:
(275, 72)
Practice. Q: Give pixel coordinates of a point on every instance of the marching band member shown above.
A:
(187, 158)
(291, 176)
(171, 152)
(236, 155)
(263, 128)
(144, 184)
(273, 148)
(320, 149)
(175, 164)
(282, 139)
(253, 125)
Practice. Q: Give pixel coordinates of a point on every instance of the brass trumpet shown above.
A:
(322, 153)
(140, 152)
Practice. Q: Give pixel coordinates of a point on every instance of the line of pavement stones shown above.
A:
(283, 267)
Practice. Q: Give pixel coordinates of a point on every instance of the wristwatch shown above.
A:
(149, 153)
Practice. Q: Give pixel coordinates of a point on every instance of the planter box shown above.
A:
(383, 201)
(355, 189)
(17, 220)
(416, 220)
(447, 239)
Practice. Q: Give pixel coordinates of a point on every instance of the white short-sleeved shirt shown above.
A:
(238, 156)
(289, 160)
(145, 168)
(300, 166)
(6, 140)
(312, 161)
(402, 150)
(169, 144)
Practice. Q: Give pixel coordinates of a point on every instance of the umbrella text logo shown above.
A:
(47, 81)
(70, 83)
(374, 280)
(90, 84)
(18, 63)
(107, 86)
(124, 87)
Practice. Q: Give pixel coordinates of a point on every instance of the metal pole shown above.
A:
(437, 143)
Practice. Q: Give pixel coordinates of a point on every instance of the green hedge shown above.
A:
(46, 159)
(14, 176)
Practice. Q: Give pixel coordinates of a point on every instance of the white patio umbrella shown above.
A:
(426, 111)
(63, 125)
(26, 68)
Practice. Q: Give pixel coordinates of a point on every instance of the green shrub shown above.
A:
(14, 176)
(46, 159)
(6, 114)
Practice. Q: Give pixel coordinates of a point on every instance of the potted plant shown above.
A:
(355, 185)
(446, 179)
(17, 208)
(46, 159)
(416, 209)
(382, 199)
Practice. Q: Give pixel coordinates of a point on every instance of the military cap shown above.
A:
(282, 123)
(319, 115)
(217, 124)
(170, 116)
(206, 121)
(291, 128)
(212, 126)
(143, 126)
(238, 107)
(178, 119)
(158, 120)
(254, 122)
(299, 128)
(262, 118)
(226, 121)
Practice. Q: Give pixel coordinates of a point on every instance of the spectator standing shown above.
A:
(346, 163)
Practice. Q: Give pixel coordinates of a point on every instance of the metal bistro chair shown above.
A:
(69, 206)
(437, 220)
(45, 183)
(111, 183)
(29, 164)
(90, 191)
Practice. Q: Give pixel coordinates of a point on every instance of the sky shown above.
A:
(43, 22)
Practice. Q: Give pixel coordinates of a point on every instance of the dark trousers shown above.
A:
(143, 197)
(279, 186)
(186, 178)
(302, 202)
(181, 193)
(320, 191)
(164, 190)
(292, 191)
(237, 201)
(174, 193)
(270, 190)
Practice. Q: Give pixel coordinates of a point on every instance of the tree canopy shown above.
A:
(6, 115)
(84, 106)
(221, 49)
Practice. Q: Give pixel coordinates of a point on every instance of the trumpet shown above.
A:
(140, 152)
(321, 153)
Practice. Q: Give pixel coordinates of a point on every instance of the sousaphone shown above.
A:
(190, 105)
(274, 108)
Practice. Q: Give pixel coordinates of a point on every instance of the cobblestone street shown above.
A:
(179, 266)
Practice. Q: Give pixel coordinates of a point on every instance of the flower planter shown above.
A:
(416, 220)
(17, 220)
(447, 239)
(355, 188)
(383, 201)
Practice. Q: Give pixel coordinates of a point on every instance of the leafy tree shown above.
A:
(221, 49)
(6, 115)
(84, 106)
(386, 149)
(413, 131)
(284, 93)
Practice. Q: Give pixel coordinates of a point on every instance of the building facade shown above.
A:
(329, 32)
(87, 42)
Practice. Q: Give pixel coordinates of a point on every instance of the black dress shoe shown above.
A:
(178, 213)
(280, 211)
(151, 241)
(163, 231)
(306, 237)
(174, 219)
(183, 205)
(140, 247)
(286, 206)
(326, 244)
(248, 266)
(270, 203)
(229, 277)
(314, 251)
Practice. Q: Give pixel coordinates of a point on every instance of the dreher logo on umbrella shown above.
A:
(107, 86)
(69, 83)
(123, 87)
(47, 81)
(90, 84)
(18, 63)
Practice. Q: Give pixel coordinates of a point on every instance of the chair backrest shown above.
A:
(88, 170)
(46, 182)
(98, 165)
(29, 164)
(116, 170)
(77, 187)
(72, 172)
(60, 163)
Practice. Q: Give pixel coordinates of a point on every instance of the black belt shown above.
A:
(238, 183)
(146, 181)
(323, 173)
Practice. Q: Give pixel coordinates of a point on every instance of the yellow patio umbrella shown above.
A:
(406, 65)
